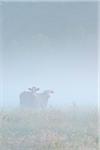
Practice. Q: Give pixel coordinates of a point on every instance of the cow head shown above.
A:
(49, 92)
(35, 88)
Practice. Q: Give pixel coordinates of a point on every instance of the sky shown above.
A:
(52, 46)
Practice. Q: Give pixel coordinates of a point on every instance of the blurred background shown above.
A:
(51, 46)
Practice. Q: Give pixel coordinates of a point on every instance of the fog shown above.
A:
(50, 46)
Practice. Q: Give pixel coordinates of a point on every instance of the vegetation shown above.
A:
(51, 129)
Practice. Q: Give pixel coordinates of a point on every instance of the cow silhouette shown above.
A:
(32, 99)
(27, 98)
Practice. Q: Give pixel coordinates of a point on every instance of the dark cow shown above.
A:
(27, 98)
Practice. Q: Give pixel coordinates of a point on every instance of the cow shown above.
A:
(35, 100)
(27, 97)
(42, 98)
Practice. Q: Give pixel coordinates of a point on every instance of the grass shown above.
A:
(52, 129)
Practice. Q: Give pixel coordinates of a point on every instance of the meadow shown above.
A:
(51, 129)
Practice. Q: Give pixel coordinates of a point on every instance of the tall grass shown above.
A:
(51, 129)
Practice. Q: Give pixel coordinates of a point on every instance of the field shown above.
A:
(52, 129)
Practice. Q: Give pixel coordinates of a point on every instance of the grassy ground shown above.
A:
(49, 130)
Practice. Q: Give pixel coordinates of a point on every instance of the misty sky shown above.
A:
(51, 46)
